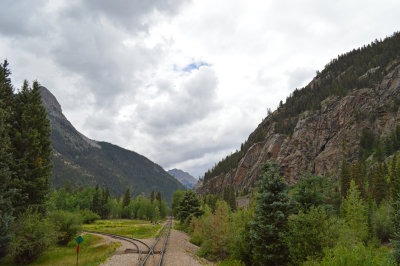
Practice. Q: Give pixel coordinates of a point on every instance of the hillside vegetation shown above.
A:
(360, 68)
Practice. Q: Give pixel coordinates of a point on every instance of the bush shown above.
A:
(382, 223)
(33, 235)
(356, 255)
(88, 216)
(68, 225)
(231, 263)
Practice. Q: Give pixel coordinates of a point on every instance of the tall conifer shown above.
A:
(267, 233)
(32, 150)
(345, 178)
(6, 209)
(127, 198)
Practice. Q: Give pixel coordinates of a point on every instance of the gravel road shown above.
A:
(180, 252)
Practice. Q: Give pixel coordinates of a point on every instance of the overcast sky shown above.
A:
(182, 82)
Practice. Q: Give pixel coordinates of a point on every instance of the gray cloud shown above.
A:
(131, 72)
(20, 18)
(192, 102)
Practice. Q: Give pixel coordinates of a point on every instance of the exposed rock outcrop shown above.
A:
(321, 139)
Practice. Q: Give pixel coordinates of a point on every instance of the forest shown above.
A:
(318, 221)
(33, 216)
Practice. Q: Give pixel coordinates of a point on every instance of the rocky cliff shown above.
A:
(321, 138)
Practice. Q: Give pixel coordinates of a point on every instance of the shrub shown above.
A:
(88, 216)
(68, 225)
(382, 223)
(356, 255)
(231, 263)
(33, 235)
(310, 242)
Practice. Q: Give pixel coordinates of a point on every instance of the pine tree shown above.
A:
(379, 183)
(267, 233)
(31, 150)
(153, 196)
(345, 178)
(68, 187)
(105, 209)
(395, 177)
(232, 198)
(189, 206)
(127, 198)
(158, 196)
(396, 235)
(6, 209)
(97, 200)
(353, 210)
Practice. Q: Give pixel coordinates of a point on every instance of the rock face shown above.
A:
(321, 139)
(85, 162)
(185, 178)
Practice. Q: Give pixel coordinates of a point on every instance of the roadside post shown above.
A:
(78, 240)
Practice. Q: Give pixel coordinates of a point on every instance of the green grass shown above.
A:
(131, 228)
(91, 253)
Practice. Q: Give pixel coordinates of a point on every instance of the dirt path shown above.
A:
(180, 252)
(120, 257)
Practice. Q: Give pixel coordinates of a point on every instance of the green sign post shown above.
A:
(78, 240)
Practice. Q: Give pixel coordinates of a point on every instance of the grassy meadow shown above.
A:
(92, 252)
(125, 227)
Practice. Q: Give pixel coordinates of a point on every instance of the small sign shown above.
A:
(79, 239)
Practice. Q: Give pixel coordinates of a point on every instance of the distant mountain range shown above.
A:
(183, 177)
(85, 162)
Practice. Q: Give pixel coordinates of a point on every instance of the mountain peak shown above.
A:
(184, 177)
(49, 100)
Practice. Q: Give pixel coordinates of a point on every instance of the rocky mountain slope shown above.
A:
(320, 125)
(184, 177)
(85, 162)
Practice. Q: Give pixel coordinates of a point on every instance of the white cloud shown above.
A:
(182, 82)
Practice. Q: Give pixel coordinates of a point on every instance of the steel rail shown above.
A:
(152, 248)
(165, 245)
(128, 239)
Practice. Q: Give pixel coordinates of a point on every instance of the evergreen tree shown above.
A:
(308, 193)
(105, 208)
(32, 150)
(189, 206)
(158, 196)
(379, 183)
(127, 198)
(354, 212)
(153, 196)
(68, 187)
(97, 200)
(268, 231)
(232, 198)
(395, 240)
(229, 196)
(6, 210)
(345, 178)
(6, 93)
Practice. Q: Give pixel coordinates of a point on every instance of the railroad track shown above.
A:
(153, 253)
(134, 241)
(159, 247)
